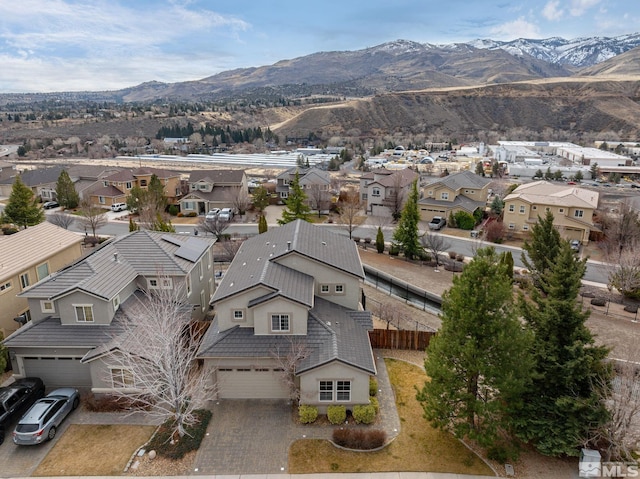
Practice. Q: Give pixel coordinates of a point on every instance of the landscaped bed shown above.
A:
(418, 447)
(94, 450)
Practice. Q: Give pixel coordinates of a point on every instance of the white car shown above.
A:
(212, 214)
(226, 214)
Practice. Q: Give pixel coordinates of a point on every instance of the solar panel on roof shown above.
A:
(191, 249)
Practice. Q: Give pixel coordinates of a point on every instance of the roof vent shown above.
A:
(288, 245)
(324, 243)
(115, 257)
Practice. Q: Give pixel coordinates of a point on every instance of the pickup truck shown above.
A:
(16, 398)
(437, 223)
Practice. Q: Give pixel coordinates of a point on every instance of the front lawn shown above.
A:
(419, 447)
(93, 450)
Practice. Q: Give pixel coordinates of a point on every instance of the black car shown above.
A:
(16, 398)
(50, 205)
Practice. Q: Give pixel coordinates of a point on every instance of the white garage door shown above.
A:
(251, 384)
(58, 372)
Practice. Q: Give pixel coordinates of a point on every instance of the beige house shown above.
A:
(384, 191)
(210, 189)
(572, 208)
(294, 288)
(464, 191)
(27, 257)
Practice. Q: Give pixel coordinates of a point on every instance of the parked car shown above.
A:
(575, 245)
(40, 423)
(50, 205)
(437, 223)
(212, 214)
(17, 397)
(226, 214)
(118, 207)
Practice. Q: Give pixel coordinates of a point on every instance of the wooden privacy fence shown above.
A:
(400, 339)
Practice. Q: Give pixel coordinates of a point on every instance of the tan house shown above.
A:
(210, 189)
(384, 191)
(464, 191)
(27, 257)
(294, 288)
(572, 208)
(116, 187)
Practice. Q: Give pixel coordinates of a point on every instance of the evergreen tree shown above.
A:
(160, 224)
(497, 205)
(133, 226)
(22, 209)
(155, 194)
(594, 171)
(380, 240)
(296, 206)
(479, 363)
(543, 248)
(480, 169)
(564, 402)
(137, 198)
(406, 233)
(262, 224)
(66, 192)
(260, 198)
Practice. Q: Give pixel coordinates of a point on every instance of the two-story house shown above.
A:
(308, 178)
(209, 189)
(116, 187)
(76, 313)
(42, 182)
(463, 191)
(26, 257)
(295, 289)
(572, 208)
(384, 191)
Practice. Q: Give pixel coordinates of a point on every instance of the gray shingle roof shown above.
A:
(460, 201)
(217, 176)
(39, 176)
(104, 274)
(257, 260)
(334, 333)
(463, 179)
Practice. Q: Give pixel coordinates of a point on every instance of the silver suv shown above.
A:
(41, 421)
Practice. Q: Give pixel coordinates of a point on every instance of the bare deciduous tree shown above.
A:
(241, 201)
(230, 247)
(319, 197)
(62, 220)
(350, 207)
(216, 226)
(617, 439)
(288, 358)
(91, 217)
(435, 244)
(623, 266)
(156, 355)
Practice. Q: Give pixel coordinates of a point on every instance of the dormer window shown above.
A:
(280, 322)
(47, 307)
(84, 313)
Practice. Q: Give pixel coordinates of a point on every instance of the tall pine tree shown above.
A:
(406, 233)
(22, 208)
(66, 192)
(296, 207)
(479, 362)
(542, 250)
(564, 402)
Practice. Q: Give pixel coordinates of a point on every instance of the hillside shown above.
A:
(587, 105)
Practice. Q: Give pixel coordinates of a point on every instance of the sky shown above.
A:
(96, 45)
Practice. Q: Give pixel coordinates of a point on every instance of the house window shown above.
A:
(280, 322)
(47, 307)
(525, 227)
(512, 226)
(122, 378)
(24, 280)
(105, 183)
(101, 200)
(561, 210)
(444, 195)
(42, 270)
(128, 185)
(339, 288)
(343, 390)
(578, 213)
(143, 182)
(5, 286)
(375, 192)
(116, 302)
(284, 194)
(188, 281)
(84, 313)
(203, 301)
(238, 315)
(521, 208)
(430, 193)
(534, 207)
(512, 208)
(189, 205)
(200, 272)
(326, 390)
(324, 288)
(202, 186)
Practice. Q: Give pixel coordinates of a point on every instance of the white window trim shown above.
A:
(444, 195)
(123, 382)
(334, 390)
(6, 286)
(187, 280)
(280, 315)
(24, 276)
(38, 270)
(75, 310)
(338, 287)
(322, 289)
(116, 302)
(239, 318)
(44, 309)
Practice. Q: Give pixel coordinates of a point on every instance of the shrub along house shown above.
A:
(292, 291)
(76, 312)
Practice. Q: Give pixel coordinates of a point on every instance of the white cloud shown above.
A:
(519, 28)
(552, 12)
(580, 7)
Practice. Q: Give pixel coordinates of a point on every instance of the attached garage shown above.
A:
(58, 371)
(251, 383)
